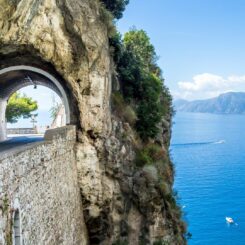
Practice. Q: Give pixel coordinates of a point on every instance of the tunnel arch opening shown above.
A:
(14, 78)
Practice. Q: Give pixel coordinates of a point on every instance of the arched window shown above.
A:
(16, 228)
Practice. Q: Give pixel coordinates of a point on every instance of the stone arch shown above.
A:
(55, 84)
(13, 78)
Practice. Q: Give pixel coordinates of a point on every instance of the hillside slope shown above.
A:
(228, 103)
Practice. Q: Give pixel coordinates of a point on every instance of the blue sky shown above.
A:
(201, 43)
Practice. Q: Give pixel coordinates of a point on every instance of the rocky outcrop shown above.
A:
(69, 38)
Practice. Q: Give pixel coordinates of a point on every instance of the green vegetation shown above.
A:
(150, 154)
(120, 242)
(5, 205)
(175, 214)
(141, 82)
(160, 242)
(107, 18)
(143, 100)
(123, 110)
(116, 7)
(7, 212)
(20, 106)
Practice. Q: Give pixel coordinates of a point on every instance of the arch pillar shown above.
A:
(3, 123)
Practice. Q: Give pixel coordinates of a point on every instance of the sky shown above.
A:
(201, 43)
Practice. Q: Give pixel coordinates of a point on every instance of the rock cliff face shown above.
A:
(69, 38)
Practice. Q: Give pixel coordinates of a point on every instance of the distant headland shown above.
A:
(227, 103)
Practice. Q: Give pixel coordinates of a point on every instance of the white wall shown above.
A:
(3, 131)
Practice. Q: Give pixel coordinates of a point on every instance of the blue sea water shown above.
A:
(209, 154)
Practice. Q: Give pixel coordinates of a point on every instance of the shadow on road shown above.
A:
(16, 141)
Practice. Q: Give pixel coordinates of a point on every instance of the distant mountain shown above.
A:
(228, 103)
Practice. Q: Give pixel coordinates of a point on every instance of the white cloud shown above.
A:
(209, 85)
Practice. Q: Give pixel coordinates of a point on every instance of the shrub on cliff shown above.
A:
(149, 109)
(150, 154)
(138, 42)
(123, 110)
(141, 81)
(116, 7)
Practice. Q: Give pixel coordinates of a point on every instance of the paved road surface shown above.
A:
(15, 141)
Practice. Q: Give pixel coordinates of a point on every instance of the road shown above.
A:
(20, 140)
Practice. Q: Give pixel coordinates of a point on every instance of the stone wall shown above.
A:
(21, 131)
(40, 181)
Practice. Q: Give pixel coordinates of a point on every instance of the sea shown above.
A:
(208, 151)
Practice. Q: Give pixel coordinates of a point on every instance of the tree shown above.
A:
(130, 75)
(116, 7)
(149, 110)
(19, 106)
(139, 43)
(141, 81)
